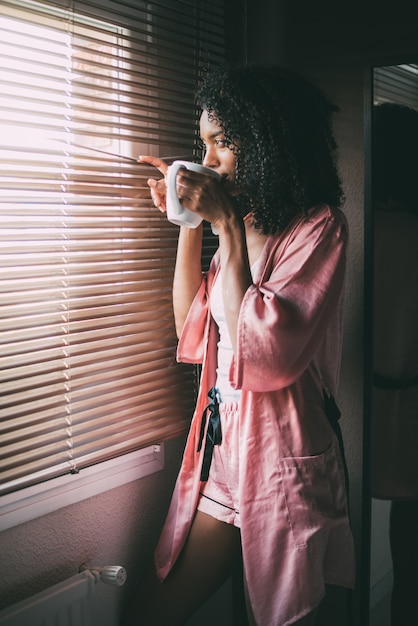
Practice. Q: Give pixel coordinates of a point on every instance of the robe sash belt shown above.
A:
(213, 432)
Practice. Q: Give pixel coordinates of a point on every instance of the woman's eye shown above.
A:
(221, 143)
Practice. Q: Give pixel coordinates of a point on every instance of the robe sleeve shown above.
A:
(192, 341)
(283, 320)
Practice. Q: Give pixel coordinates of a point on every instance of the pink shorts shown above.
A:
(219, 496)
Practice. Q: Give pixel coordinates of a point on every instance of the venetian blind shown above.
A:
(396, 83)
(87, 342)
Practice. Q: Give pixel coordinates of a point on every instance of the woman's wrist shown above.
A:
(231, 225)
(191, 237)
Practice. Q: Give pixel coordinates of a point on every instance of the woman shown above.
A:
(262, 474)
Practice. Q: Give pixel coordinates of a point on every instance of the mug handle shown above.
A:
(171, 186)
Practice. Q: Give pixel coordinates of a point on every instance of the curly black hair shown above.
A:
(279, 126)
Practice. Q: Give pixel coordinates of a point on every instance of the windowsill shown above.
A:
(32, 502)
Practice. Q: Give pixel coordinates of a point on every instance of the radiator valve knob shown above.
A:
(113, 575)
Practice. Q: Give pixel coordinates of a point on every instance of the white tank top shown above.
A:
(225, 353)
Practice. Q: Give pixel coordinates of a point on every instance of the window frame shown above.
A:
(27, 503)
(37, 500)
(32, 502)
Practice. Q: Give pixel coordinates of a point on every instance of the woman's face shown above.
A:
(217, 155)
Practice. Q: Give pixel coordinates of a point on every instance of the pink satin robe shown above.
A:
(294, 525)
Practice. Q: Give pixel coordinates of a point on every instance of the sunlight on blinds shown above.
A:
(87, 360)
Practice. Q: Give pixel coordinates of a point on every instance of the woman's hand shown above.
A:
(157, 187)
(201, 193)
(205, 195)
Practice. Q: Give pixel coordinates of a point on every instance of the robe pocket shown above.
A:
(314, 492)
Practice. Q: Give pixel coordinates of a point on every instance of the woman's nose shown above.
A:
(210, 158)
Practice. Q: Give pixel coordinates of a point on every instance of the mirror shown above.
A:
(394, 426)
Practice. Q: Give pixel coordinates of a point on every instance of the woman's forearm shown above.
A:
(187, 273)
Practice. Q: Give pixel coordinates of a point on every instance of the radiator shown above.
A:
(64, 604)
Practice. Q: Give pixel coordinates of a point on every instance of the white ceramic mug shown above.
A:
(176, 212)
